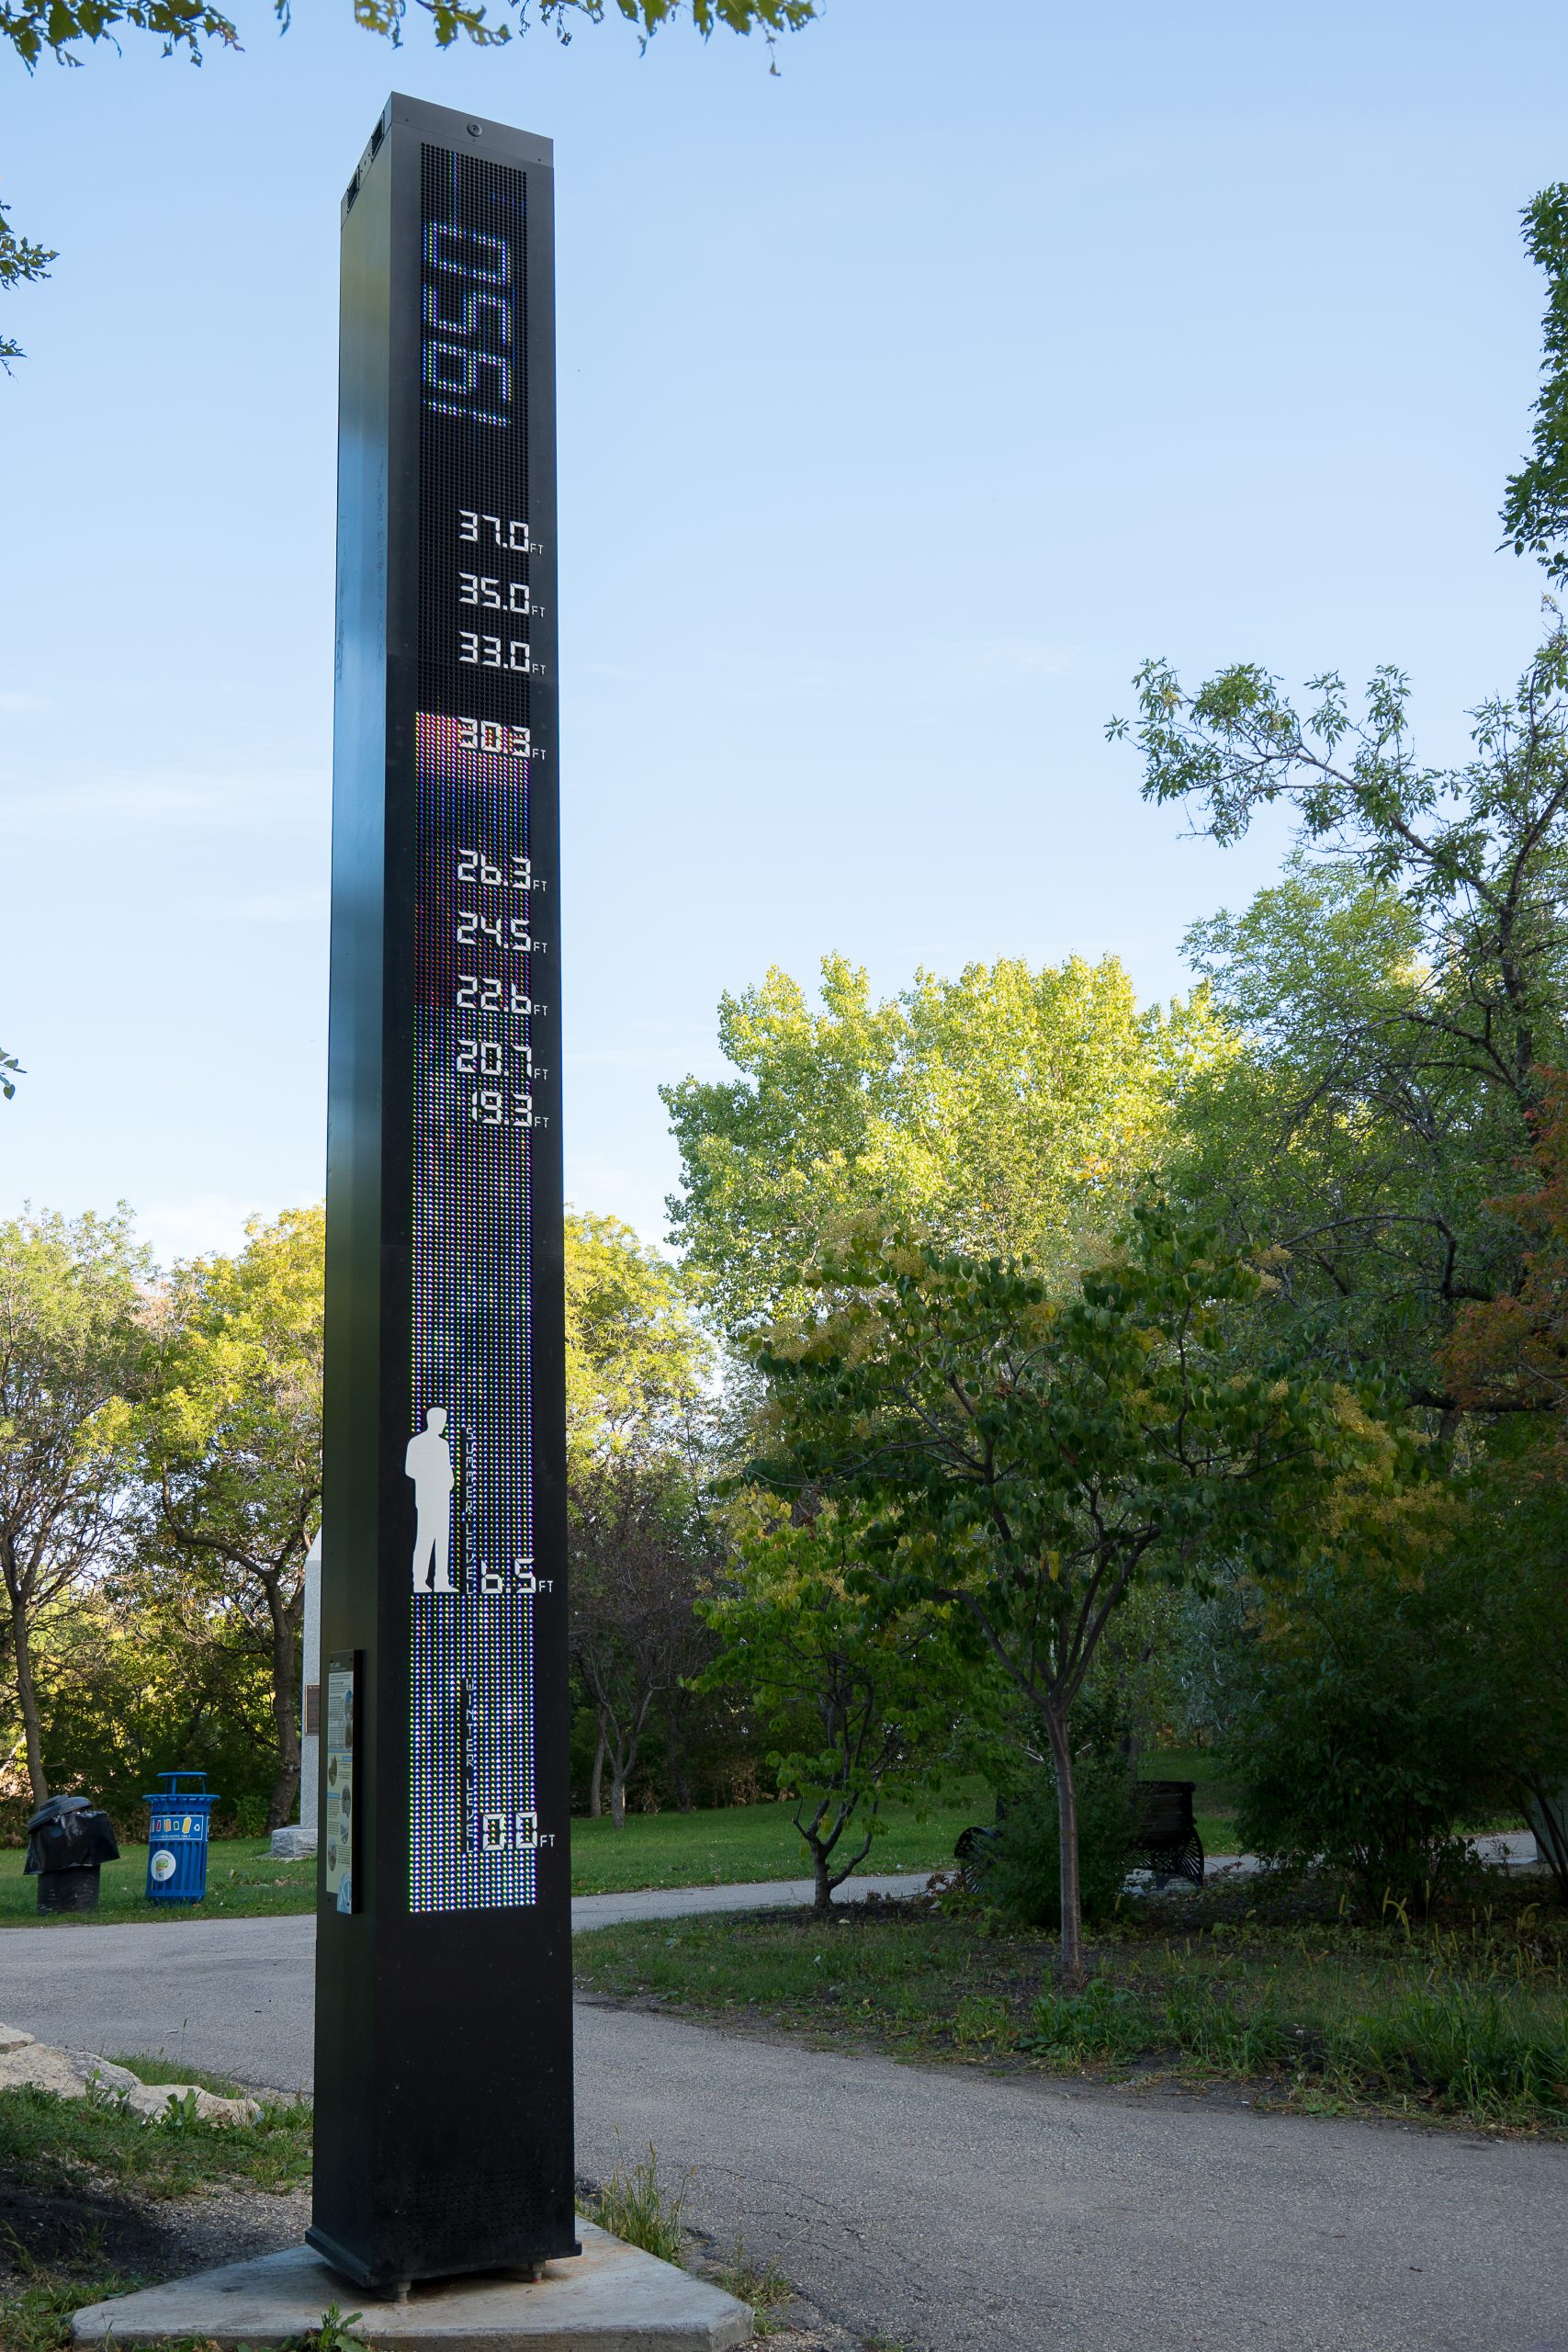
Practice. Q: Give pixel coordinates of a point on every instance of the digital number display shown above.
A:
(482, 983)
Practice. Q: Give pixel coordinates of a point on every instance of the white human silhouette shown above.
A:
(428, 1462)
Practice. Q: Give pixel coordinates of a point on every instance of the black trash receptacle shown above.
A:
(69, 1840)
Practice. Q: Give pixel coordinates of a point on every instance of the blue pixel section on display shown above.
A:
(482, 957)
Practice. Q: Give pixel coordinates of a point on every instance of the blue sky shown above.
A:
(907, 399)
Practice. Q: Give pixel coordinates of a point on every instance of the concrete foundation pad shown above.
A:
(610, 2298)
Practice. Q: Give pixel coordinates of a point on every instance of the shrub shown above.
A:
(1024, 1872)
(1376, 1722)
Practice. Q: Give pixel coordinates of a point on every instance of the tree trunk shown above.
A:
(822, 1898)
(680, 1787)
(624, 1744)
(1068, 1841)
(597, 1781)
(285, 1711)
(27, 1696)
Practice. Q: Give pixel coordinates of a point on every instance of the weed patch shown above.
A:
(38, 2317)
(764, 2287)
(63, 2146)
(1466, 2017)
(639, 2208)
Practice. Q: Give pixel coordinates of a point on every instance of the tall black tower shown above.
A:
(442, 2003)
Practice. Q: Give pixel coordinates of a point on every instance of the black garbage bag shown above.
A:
(69, 1834)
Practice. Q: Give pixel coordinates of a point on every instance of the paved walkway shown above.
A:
(679, 1902)
(936, 2207)
(235, 1996)
(939, 2206)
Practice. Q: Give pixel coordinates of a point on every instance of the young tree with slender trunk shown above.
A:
(1019, 1461)
(71, 1296)
(861, 1701)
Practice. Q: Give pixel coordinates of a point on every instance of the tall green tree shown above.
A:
(1022, 1459)
(1509, 1354)
(637, 1357)
(1394, 995)
(140, 1673)
(1508, 1363)
(230, 1434)
(1010, 1109)
(71, 1337)
(1534, 507)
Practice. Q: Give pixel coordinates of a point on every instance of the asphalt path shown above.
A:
(943, 2207)
(236, 1995)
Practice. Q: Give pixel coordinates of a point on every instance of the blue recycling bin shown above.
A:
(177, 1840)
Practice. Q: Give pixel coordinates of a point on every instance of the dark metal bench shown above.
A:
(972, 1853)
(1167, 1837)
(1165, 1841)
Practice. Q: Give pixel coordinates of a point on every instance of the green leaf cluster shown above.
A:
(1022, 1871)
(230, 1420)
(1008, 1110)
(71, 1342)
(637, 1360)
(61, 28)
(20, 260)
(1534, 507)
(1023, 1453)
(1392, 1000)
(1403, 1677)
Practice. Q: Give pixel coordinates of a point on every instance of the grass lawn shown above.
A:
(729, 1847)
(1469, 2019)
(242, 1882)
(722, 1849)
(746, 1842)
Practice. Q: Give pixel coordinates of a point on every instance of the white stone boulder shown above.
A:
(82, 2074)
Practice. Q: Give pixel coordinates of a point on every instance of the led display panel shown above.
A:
(481, 962)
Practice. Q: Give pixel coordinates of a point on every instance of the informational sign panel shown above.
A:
(443, 2050)
(337, 1844)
